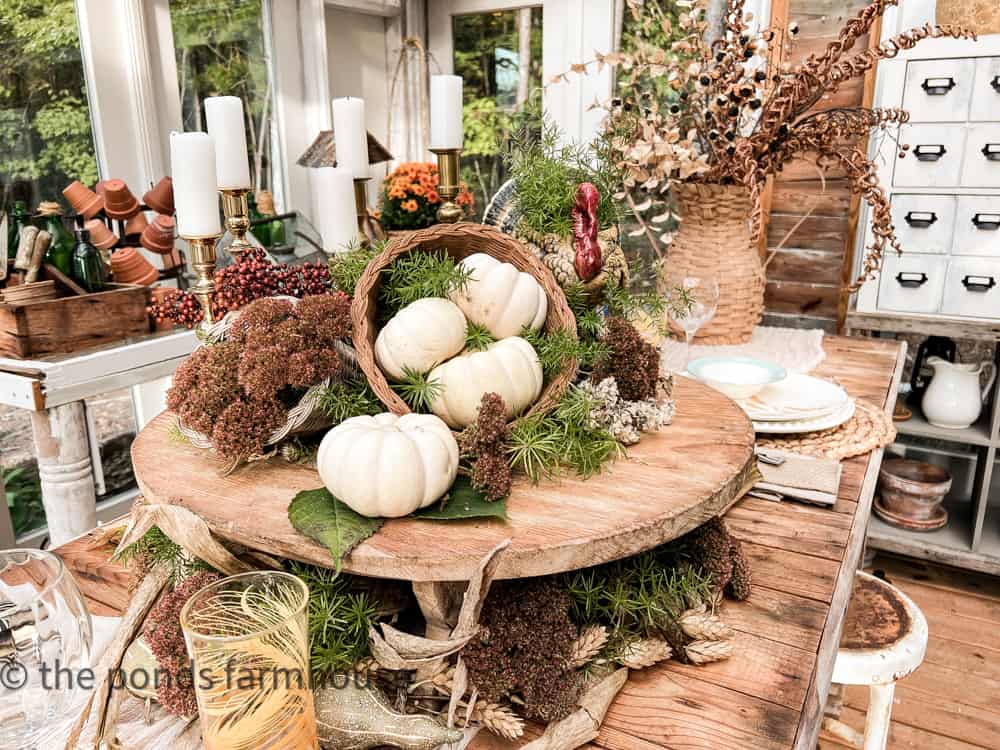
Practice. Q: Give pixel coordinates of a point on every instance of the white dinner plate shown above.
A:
(796, 397)
(792, 426)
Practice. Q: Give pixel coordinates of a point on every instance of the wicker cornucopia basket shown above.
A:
(459, 241)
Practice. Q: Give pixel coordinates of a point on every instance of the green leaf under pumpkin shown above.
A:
(324, 518)
(463, 501)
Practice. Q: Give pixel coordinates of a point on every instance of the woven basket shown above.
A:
(303, 418)
(459, 241)
(714, 241)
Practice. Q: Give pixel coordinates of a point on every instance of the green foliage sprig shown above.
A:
(349, 398)
(346, 268)
(417, 390)
(547, 173)
(478, 338)
(541, 445)
(338, 620)
(417, 275)
(556, 348)
(155, 547)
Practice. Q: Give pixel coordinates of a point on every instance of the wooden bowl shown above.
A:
(459, 241)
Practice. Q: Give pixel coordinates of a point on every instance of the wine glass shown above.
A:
(696, 300)
(45, 641)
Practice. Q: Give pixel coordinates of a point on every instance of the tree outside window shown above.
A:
(45, 133)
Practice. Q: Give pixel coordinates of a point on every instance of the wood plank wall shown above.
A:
(803, 279)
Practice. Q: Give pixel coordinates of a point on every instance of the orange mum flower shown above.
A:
(410, 205)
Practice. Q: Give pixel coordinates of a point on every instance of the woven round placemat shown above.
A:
(868, 429)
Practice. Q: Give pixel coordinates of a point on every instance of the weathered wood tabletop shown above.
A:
(771, 693)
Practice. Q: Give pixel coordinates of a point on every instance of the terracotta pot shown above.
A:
(158, 236)
(136, 225)
(911, 494)
(714, 240)
(129, 267)
(100, 236)
(101, 187)
(119, 203)
(160, 197)
(158, 294)
(83, 200)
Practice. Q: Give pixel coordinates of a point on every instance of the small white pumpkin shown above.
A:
(420, 336)
(509, 367)
(388, 465)
(501, 298)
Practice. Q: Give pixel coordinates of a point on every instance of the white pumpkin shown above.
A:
(388, 465)
(501, 298)
(509, 367)
(420, 336)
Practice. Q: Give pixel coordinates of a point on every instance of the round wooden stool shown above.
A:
(884, 639)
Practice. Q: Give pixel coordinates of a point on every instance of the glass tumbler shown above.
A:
(45, 642)
(247, 637)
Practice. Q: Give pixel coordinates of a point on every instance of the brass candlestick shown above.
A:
(202, 250)
(369, 230)
(237, 213)
(449, 184)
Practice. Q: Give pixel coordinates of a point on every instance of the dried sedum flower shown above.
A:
(633, 362)
(486, 442)
(626, 420)
(721, 555)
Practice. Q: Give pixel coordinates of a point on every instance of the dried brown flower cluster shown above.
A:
(733, 114)
(525, 646)
(238, 391)
(485, 442)
(632, 361)
(162, 632)
(721, 555)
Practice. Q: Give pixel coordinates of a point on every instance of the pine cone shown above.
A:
(705, 652)
(644, 653)
(588, 645)
(740, 584)
(497, 718)
(699, 625)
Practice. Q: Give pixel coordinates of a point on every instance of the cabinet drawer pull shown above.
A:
(938, 86)
(979, 283)
(911, 280)
(986, 221)
(920, 219)
(992, 151)
(995, 83)
(932, 152)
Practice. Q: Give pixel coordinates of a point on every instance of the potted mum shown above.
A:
(410, 199)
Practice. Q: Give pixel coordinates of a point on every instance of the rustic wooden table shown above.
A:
(771, 693)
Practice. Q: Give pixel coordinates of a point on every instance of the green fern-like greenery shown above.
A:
(346, 268)
(547, 173)
(478, 338)
(555, 349)
(349, 398)
(542, 445)
(339, 619)
(417, 275)
(156, 547)
(417, 390)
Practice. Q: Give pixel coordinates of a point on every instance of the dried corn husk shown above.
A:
(644, 652)
(705, 652)
(699, 625)
(588, 645)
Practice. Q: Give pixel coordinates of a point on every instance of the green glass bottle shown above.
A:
(276, 228)
(261, 231)
(60, 253)
(88, 269)
(19, 219)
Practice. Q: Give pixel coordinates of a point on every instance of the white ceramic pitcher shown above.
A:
(954, 399)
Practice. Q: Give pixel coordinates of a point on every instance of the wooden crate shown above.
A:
(68, 324)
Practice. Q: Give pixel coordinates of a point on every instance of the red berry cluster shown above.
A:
(250, 278)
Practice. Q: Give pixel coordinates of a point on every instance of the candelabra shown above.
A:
(202, 252)
(449, 184)
(369, 230)
(237, 213)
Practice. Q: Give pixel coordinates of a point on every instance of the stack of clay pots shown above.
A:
(158, 236)
(129, 267)
(100, 236)
(83, 200)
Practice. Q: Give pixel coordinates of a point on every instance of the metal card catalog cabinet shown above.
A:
(945, 191)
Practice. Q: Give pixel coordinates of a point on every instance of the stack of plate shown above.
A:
(799, 403)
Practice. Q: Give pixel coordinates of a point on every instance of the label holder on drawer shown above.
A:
(934, 151)
(911, 279)
(938, 86)
(987, 222)
(921, 219)
(991, 151)
(978, 283)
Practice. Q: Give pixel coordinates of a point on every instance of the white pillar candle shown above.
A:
(196, 193)
(446, 112)
(351, 136)
(338, 219)
(224, 118)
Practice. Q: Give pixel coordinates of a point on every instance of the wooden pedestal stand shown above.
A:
(672, 481)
